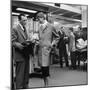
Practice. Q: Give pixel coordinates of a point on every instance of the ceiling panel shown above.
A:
(66, 14)
(29, 5)
(59, 11)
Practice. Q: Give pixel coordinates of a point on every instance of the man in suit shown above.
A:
(19, 37)
(48, 37)
(62, 48)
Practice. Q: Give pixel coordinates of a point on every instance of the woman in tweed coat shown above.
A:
(48, 37)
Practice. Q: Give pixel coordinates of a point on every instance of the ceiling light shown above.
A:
(26, 10)
(13, 13)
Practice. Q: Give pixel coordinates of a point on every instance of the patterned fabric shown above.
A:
(48, 37)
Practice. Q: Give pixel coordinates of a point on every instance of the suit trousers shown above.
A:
(22, 73)
(73, 59)
(26, 71)
(20, 68)
(63, 53)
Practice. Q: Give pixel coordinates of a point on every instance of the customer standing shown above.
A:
(72, 48)
(19, 36)
(46, 42)
(62, 48)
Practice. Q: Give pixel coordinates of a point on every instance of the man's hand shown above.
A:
(65, 38)
(19, 46)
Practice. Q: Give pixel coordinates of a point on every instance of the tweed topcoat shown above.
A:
(48, 36)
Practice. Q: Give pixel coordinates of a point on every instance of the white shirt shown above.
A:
(81, 43)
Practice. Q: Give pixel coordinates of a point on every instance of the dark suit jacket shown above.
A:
(61, 43)
(18, 35)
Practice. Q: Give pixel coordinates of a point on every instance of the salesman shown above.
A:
(19, 36)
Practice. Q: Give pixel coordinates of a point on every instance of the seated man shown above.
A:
(81, 52)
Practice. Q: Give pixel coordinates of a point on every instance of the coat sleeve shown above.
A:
(14, 37)
(55, 36)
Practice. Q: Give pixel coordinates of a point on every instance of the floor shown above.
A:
(60, 77)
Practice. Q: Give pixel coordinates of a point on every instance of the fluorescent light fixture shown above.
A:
(26, 10)
(13, 13)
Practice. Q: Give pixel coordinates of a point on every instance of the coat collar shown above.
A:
(44, 26)
(21, 30)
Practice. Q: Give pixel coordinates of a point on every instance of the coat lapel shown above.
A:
(22, 31)
(43, 29)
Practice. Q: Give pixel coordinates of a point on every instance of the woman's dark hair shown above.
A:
(41, 14)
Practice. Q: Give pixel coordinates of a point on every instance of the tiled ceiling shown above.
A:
(46, 8)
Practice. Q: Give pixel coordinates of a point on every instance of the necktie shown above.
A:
(25, 31)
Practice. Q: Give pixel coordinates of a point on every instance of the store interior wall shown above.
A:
(84, 16)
